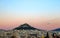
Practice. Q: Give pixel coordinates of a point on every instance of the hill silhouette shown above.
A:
(26, 27)
(58, 29)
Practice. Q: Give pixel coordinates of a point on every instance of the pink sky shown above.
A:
(41, 23)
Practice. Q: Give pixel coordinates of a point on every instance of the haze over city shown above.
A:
(42, 14)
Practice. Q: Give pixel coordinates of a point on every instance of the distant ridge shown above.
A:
(58, 29)
(26, 27)
(2, 30)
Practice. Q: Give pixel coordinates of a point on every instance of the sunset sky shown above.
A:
(42, 14)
